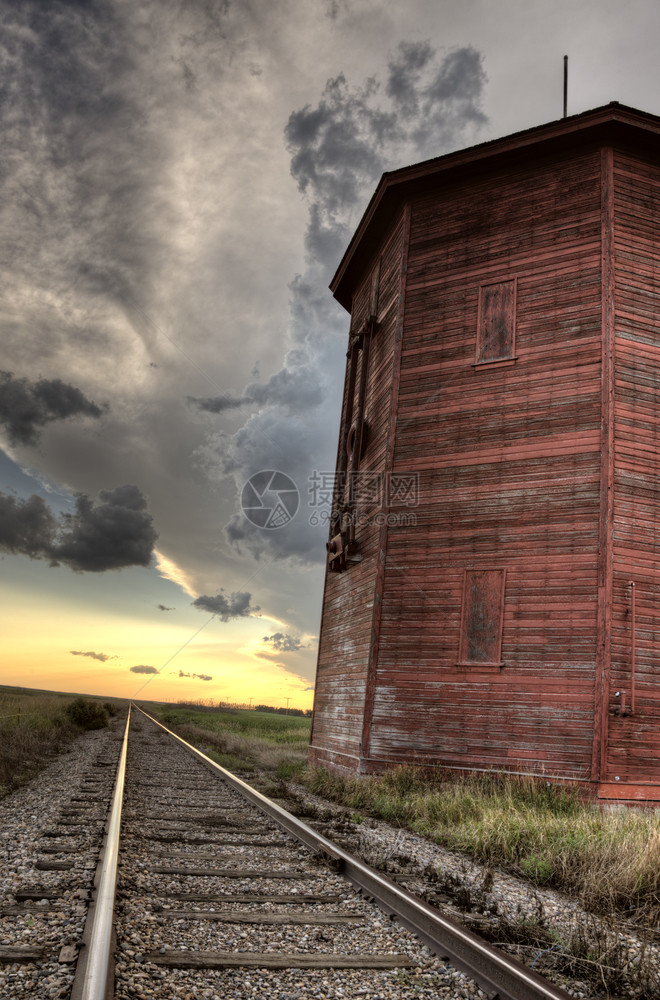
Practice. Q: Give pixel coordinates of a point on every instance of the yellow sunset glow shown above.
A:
(51, 649)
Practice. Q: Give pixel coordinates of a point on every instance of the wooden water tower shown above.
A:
(492, 598)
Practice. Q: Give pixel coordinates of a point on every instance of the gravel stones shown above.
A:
(287, 871)
(57, 809)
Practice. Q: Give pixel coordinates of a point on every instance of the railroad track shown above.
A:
(217, 892)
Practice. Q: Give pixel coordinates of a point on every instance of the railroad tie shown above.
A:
(274, 960)
(298, 917)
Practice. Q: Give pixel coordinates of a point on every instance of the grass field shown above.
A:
(243, 740)
(543, 833)
(36, 725)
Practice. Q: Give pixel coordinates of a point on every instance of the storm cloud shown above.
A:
(27, 526)
(26, 407)
(237, 605)
(426, 104)
(177, 187)
(113, 533)
(291, 388)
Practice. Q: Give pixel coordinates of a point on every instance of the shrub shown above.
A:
(86, 714)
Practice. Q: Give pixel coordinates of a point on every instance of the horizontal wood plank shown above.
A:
(274, 960)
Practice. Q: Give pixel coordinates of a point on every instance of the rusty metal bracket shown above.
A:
(336, 553)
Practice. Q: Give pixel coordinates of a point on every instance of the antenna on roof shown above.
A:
(565, 86)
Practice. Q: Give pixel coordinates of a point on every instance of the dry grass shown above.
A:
(544, 833)
(238, 752)
(607, 861)
(34, 727)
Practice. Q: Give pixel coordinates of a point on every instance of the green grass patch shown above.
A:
(263, 740)
(229, 761)
(284, 729)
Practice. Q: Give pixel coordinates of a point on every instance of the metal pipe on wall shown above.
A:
(633, 646)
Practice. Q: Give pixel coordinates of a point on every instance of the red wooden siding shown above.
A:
(515, 382)
(344, 656)
(633, 741)
(508, 457)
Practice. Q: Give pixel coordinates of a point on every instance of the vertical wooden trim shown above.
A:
(605, 555)
(633, 645)
(372, 662)
(347, 403)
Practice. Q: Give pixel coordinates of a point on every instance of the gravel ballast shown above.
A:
(194, 824)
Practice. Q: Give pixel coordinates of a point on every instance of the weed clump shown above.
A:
(86, 714)
(526, 825)
(34, 726)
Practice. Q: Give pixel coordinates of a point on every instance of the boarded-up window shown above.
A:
(496, 327)
(481, 618)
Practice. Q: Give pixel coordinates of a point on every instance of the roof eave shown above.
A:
(608, 123)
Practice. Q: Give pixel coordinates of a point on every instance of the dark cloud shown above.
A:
(200, 677)
(337, 146)
(427, 104)
(26, 526)
(134, 265)
(162, 607)
(295, 386)
(405, 71)
(103, 657)
(26, 407)
(438, 101)
(237, 605)
(77, 63)
(340, 148)
(294, 445)
(113, 533)
(97, 102)
(283, 642)
(218, 404)
(142, 669)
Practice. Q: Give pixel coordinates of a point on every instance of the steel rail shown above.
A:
(93, 977)
(500, 976)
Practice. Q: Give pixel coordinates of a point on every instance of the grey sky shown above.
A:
(178, 183)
